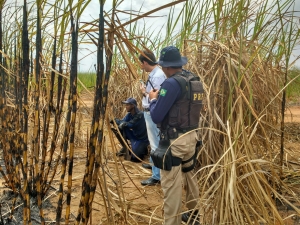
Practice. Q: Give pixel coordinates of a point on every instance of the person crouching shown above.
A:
(133, 128)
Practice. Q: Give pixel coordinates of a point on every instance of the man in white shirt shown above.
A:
(155, 79)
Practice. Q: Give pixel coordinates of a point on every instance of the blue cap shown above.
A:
(130, 101)
(170, 57)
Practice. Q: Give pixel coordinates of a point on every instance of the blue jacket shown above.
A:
(170, 91)
(136, 123)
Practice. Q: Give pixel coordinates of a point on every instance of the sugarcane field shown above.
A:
(73, 72)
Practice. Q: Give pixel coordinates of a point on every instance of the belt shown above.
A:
(186, 130)
(146, 109)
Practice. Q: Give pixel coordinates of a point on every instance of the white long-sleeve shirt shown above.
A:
(156, 77)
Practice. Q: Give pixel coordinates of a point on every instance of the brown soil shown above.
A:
(292, 114)
(140, 200)
(145, 203)
(148, 201)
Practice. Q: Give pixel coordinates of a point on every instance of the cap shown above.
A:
(130, 101)
(170, 57)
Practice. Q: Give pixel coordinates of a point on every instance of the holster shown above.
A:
(186, 169)
(162, 156)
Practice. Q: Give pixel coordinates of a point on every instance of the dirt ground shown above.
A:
(292, 114)
(292, 154)
(148, 200)
(144, 202)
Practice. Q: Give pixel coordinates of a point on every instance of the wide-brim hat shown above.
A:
(171, 57)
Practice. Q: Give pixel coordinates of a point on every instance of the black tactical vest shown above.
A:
(185, 113)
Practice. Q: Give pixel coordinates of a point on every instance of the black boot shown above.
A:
(194, 220)
(123, 149)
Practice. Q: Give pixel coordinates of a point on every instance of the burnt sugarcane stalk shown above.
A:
(5, 130)
(2, 96)
(64, 147)
(58, 119)
(1, 48)
(46, 123)
(31, 184)
(61, 90)
(70, 123)
(13, 148)
(7, 122)
(25, 70)
(6, 143)
(73, 89)
(104, 99)
(45, 134)
(84, 207)
(59, 105)
(100, 135)
(36, 134)
(16, 135)
(47, 120)
(282, 123)
(102, 109)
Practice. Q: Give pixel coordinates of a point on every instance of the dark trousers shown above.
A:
(139, 147)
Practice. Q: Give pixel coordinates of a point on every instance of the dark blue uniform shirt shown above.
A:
(169, 92)
(136, 123)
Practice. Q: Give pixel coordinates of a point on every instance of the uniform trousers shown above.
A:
(172, 181)
(138, 146)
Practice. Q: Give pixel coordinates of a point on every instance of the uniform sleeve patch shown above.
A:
(163, 92)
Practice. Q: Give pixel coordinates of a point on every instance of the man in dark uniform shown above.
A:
(171, 110)
(133, 128)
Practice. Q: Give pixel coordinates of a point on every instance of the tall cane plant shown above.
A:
(241, 51)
